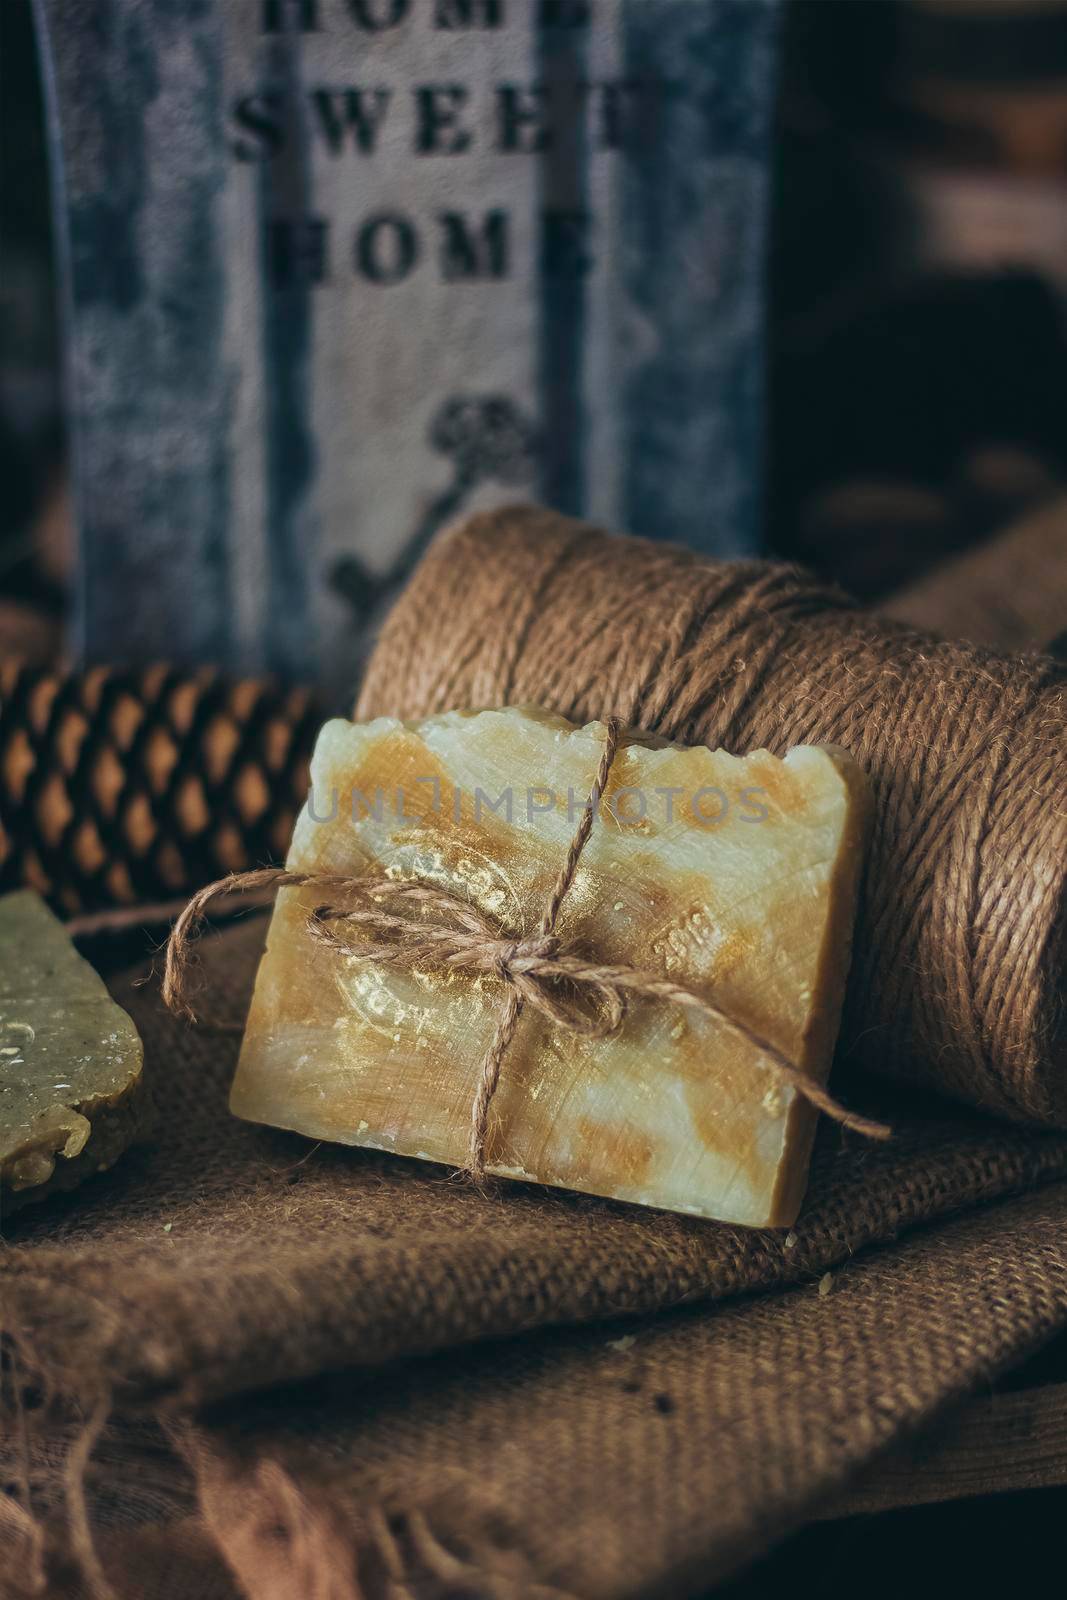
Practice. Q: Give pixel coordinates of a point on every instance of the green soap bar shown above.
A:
(70, 1059)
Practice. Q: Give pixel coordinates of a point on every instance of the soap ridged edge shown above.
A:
(820, 1037)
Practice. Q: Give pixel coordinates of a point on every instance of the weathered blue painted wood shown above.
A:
(338, 270)
(695, 200)
(136, 98)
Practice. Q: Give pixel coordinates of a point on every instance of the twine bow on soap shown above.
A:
(444, 930)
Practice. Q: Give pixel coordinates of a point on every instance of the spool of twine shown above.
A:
(958, 977)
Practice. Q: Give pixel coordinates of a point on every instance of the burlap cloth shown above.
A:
(243, 1365)
(252, 1366)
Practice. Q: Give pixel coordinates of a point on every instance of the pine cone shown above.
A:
(120, 786)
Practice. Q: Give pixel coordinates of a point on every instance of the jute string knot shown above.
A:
(431, 927)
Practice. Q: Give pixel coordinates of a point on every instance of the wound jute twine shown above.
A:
(960, 954)
(431, 927)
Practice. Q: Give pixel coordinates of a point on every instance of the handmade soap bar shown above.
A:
(736, 876)
(70, 1059)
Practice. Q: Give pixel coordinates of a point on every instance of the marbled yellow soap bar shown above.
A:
(735, 875)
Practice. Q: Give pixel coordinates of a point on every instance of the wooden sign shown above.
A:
(338, 270)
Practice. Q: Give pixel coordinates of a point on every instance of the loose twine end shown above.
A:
(414, 923)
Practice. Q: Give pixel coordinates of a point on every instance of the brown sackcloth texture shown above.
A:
(1009, 593)
(228, 1259)
(243, 1367)
(960, 955)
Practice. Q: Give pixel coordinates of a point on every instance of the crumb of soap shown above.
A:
(772, 1101)
(363, 1126)
(167, 1226)
(826, 1283)
(789, 1242)
(624, 1343)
